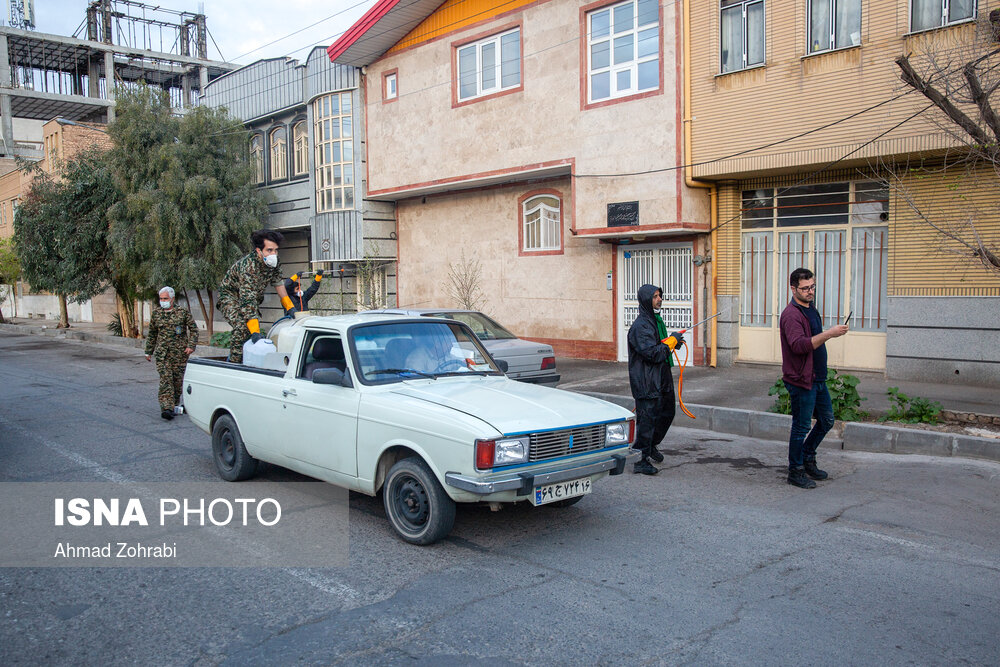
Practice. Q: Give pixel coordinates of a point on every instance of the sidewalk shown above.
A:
(727, 400)
(734, 400)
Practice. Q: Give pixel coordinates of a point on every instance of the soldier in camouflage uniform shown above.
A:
(242, 290)
(173, 335)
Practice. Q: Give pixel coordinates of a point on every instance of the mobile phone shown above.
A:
(848, 318)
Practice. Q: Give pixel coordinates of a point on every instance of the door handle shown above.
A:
(288, 392)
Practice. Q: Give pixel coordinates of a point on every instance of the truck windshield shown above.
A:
(393, 352)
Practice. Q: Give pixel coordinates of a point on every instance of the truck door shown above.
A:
(321, 419)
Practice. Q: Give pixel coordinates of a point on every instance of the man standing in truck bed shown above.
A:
(242, 290)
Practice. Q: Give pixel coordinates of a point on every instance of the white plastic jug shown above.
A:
(255, 354)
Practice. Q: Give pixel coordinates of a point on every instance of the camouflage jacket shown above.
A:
(171, 331)
(242, 290)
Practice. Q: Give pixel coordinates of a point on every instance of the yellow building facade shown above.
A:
(822, 157)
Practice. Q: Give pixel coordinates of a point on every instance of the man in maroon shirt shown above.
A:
(803, 370)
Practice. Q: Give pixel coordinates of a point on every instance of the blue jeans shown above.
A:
(806, 404)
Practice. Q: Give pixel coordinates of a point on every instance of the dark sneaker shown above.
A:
(167, 414)
(797, 477)
(656, 455)
(813, 471)
(644, 467)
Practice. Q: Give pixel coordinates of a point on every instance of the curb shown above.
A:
(101, 338)
(851, 436)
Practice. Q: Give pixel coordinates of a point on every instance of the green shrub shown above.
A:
(783, 403)
(221, 339)
(844, 395)
(911, 410)
(115, 325)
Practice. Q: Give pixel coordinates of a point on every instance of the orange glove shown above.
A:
(253, 325)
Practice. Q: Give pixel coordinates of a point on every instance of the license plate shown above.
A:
(549, 493)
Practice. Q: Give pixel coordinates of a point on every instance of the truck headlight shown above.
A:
(618, 433)
(510, 450)
(501, 452)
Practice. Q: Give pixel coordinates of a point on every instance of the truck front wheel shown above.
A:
(232, 460)
(416, 504)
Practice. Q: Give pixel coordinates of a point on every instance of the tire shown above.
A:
(231, 458)
(566, 503)
(417, 506)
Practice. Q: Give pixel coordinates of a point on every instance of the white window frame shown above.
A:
(629, 66)
(830, 40)
(476, 49)
(333, 135)
(391, 90)
(851, 273)
(549, 223)
(301, 143)
(278, 142)
(945, 11)
(743, 5)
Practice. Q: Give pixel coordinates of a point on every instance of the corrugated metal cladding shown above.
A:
(338, 236)
(454, 15)
(322, 76)
(258, 89)
(268, 86)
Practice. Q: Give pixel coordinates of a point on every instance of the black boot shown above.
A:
(167, 414)
(656, 455)
(644, 467)
(810, 467)
(797, 477)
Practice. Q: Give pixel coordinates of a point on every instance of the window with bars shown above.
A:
(840, 235)
(490, 65)
(623, 53)
(300, 137)
(334, 137)
(542, 223)
(279, 154)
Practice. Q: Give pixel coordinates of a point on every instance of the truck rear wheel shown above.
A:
(232, 460)
(417, 506)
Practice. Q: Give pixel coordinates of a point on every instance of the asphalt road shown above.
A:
(895, 560)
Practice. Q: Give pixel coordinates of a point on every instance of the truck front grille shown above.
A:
(553, 444)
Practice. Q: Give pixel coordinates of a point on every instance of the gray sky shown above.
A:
(242, 29)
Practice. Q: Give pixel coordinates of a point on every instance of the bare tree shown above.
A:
(961, 79)
(464, 282)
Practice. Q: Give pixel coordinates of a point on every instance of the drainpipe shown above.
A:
(713, 191)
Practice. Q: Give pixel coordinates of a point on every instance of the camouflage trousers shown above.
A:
(171, 369)
(240, 335)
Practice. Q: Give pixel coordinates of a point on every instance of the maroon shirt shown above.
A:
(796, 348)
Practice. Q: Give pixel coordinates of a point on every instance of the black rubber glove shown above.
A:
(319, 273)
(679, 338)
(254, 337)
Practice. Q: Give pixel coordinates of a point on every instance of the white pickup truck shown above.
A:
(414, 408)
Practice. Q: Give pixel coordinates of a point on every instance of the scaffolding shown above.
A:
(121, 43)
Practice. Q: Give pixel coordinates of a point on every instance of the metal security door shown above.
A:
(666, 265)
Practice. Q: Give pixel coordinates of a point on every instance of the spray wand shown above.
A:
(672, 342)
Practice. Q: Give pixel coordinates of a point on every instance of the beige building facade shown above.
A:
(822, 157)
(541, 140)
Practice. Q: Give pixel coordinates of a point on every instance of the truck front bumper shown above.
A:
(525, 482)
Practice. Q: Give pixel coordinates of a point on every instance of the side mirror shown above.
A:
(502, 364)
(333, 376)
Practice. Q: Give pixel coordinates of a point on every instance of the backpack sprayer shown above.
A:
(672, 342)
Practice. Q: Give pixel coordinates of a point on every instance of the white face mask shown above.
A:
(164, 304)
(298, 293)
(271, 260)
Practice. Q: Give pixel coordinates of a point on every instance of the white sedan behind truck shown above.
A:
(414, 408)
